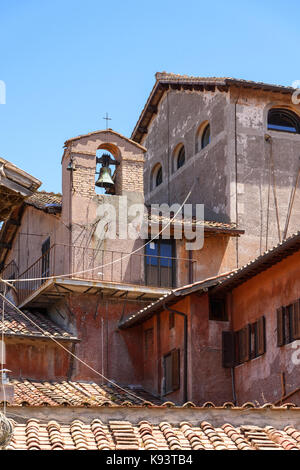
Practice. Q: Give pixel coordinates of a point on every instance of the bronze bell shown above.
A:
(105, 179)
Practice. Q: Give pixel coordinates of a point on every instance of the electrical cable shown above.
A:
(4, 299)
(46, 278)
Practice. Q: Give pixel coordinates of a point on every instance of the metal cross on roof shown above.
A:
(107, 119)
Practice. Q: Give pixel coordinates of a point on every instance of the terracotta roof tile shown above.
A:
(114, 435)
(70, 393)
(16, 324)
(207, 224)
(41, 199)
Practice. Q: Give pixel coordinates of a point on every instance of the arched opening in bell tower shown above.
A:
(107, 160)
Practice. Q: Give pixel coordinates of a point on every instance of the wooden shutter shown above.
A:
(168, 373)
(244, 346)
(228, 352)
(261, 336)
(280, 326)
(295, 327)
(236, 347)
(297, 321)
(252, 340)
(175, 369)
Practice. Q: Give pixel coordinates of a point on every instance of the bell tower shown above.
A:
(83, 172)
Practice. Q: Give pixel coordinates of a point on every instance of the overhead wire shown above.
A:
(46, 278)
(4, 299)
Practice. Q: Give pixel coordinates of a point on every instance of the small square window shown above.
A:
(217, 309)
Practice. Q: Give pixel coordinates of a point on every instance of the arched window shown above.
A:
(178, 157)
(284, 120)
(158, 179)
(202, 136)
(156, 176)
(181, 157)
(205, 140)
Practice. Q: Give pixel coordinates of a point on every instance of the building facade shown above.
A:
(235, 144)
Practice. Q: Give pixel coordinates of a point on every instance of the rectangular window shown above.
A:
(172, 371)
(217, 309)
(160, 263)
(288, 323)
(46, 258)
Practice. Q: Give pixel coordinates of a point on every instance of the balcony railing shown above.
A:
(103, 265)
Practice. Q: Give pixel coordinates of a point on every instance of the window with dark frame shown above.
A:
(284, 120)
(217, 309)
(46, 258)
(160, 263)
(158, 178)
(172, 371)
(205, 139)
(181, 157)
(288, 323)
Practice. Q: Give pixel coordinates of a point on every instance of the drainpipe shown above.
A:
(185, 338)
(230, 302)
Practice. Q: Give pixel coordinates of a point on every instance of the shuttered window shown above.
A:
(296, 321)
(260, 337)
(280, 326)
(172, 371)
(245, 344)
(288, 323)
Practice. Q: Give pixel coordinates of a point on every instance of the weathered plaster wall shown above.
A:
(233, 175)
(37, 359)
(260, 379)
(214, 258)
(36, 227)
(266, 172)
(179, 117)
(207, 379)
(114, 353)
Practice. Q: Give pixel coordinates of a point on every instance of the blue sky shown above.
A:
(65, 63)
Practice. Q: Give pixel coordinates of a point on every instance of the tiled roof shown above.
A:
(165, 80)
(263, 262)
(170, 298)
(41, 199)
(173, 77)
(107, 131)
(75, 393)
(16, 324)
(207, 224)
(143, 435)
